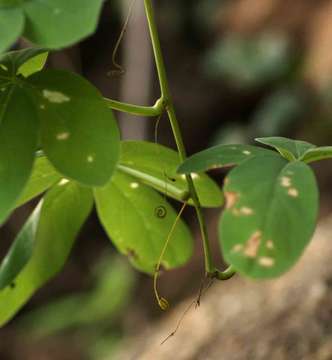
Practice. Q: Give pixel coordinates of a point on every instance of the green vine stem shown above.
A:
(149, 111)
(167, 100)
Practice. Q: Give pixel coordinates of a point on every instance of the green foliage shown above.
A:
(11, 26)
(81, 149)
(64, 209)
(271, 202)
(220, 156)
(42, 178)
(142, 160)
(25, 62)
(138, 220)
(56, 107)
(270, 215)
(316, 154)
(290, 149)
(58, 135)
(18, 142)
(21, 250)
(49, 23)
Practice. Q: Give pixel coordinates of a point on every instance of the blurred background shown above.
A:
(238, 69)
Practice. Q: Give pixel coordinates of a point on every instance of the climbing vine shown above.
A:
(59, 139)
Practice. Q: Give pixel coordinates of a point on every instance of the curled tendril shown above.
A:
(163, 304)
(160, 212)
(119, 70)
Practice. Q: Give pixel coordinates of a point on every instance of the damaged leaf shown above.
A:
(270, 215)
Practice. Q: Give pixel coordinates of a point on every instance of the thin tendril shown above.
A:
(119, 69)
(202, 290)
(162, 302)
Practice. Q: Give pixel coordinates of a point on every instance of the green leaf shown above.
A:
(319, 153)
(155, 165)
(270, 215)
(59, 23)
(11, 26)
(24, 61)
(138, 220)
(43, 177)
(63, 212)
(288, 148)
(18, 141)
(220, 156)
(21, 250)
(79, 133)
(49, 23)
(33, 65)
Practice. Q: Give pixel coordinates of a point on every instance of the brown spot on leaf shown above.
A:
(132, 254)
(231, 199)
(252, 245)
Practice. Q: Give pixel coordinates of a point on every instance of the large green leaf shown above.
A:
(79, 133)
(59, 23)
(21, 250)
(316, 154)
(220, 156)
(138, 220)
(270, 215)
(49, 23)
(43, 177)
(288, 148)
(63, 212)
(11, 26)
(156, 165)
(18, 141)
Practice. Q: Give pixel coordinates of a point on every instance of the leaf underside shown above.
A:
(138, 220)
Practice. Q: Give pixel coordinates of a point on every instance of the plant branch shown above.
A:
(165, 91)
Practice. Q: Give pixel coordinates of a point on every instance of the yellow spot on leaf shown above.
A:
(194, 176)
(270, 245)
(286, 181)
(246, 152)
(55, 97)
(63, 136)
(237, 248)
(293, 192)
(266, 261)
(90, 158)
(63, 182)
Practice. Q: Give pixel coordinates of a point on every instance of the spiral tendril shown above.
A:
(160, 212)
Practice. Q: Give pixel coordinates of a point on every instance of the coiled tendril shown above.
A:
(160, 212)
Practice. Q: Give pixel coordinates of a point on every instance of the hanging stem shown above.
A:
(167, 100)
